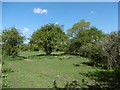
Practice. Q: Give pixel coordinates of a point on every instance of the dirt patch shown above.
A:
(28, 60)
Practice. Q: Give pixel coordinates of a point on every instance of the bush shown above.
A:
(107, 51)
(85, 51)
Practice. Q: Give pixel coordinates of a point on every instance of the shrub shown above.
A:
(107, 51)
(85, 51)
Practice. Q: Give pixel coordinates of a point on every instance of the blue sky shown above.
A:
(29, 16)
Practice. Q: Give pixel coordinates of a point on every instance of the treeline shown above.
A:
(81, 39)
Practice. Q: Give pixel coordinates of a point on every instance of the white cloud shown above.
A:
(56, 22)
(91, 12)
(40, 11)
(25, 29)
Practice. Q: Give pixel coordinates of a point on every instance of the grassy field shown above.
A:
(38, 70)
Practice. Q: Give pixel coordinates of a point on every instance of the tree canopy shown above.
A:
(83, 35)
(11, 40)
(48, 37)
(82, 25)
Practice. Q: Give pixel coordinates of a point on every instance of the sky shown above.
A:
(29, 16)
(0, 15)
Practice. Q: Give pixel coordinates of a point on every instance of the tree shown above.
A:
(82, 25)
(82, 34)
(89, 35)
(11, 40)
(48, 37)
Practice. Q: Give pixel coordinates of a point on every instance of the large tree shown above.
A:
(11, 41)
(81, 35)
(82, 25)
(48, 37)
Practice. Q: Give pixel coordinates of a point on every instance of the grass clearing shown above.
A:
(40, 71)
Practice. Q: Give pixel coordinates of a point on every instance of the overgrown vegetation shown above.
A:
(107, 51)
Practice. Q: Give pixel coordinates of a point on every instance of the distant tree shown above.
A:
(48, 37)
(11, 40)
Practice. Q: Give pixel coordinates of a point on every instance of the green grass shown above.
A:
(40, 71)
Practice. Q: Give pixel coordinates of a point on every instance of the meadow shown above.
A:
(60, 45)
(36, 70)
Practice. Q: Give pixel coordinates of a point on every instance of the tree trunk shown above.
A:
(48, 50)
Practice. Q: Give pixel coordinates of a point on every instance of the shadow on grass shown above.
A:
(22, 57)
(47, 56)
(88, 63)
(95, 65)
(74, 54)
(103, 79)
(59, 54)
(11, 58)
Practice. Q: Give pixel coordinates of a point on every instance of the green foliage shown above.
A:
(90, 42)
(48, 37)
(11, 39)
(87, 38)
(86, 41)
(78, 33)
(34, 47)
(82, 25)
(89, 35)
(24, 47)
(106, 51)
(73, 46)
(84, 38)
